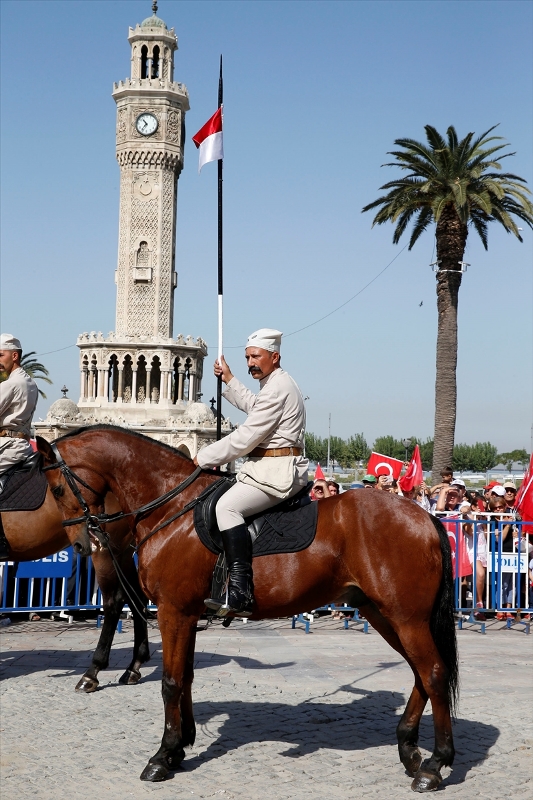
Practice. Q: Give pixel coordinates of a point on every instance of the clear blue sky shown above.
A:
(315, 94)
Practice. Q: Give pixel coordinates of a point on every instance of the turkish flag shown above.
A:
(524, 498)
(414, 476)
(458, 545)
(384, 465)
(319, 475)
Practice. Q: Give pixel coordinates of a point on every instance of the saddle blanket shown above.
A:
(288, 528)
(25, 488)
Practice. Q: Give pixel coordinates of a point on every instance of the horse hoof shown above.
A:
(130, 677)
(87, 685)
(154, 772)
(426, 782)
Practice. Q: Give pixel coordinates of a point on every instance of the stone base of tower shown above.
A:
(190, 427)
(151, 385)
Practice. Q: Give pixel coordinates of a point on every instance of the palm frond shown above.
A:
(464, 173)
(480, 224)
(425, 217)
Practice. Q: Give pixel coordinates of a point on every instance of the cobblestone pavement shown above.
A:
(280, 714)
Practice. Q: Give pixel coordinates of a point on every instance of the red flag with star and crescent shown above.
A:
(379, 464)
(414, 475)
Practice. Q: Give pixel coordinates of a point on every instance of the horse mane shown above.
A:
(118, 429)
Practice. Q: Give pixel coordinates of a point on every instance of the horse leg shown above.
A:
(408, 726)
(188, 725)
(141, 645)
(176, 632)
(422, 652)
(112, 602)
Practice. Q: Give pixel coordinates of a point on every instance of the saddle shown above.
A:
(24, 485)
(288, 528)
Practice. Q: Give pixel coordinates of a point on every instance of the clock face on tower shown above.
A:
(146, 124)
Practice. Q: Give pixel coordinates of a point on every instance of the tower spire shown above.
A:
(154, 7)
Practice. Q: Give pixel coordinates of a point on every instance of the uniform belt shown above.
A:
(14, 434)
(275, 452)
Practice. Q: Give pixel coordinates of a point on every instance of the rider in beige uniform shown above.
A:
(18, 398)
(272, 437)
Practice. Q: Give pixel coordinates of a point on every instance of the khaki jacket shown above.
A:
(18, 399)
(276, 418)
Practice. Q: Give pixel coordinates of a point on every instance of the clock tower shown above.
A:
(139, 375)
(151, 110)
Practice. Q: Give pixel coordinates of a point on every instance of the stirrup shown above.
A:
(222, 609)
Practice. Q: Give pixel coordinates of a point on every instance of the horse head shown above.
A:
(78, 490)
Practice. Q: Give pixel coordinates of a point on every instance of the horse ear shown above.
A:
(44, 447)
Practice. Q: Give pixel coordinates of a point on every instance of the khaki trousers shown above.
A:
(243, 501)
(12, 451)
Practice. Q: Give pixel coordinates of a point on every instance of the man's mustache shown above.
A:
(251, 370)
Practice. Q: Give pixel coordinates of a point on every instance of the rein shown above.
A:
(94, 521)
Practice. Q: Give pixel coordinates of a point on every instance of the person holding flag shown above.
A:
(272, 437)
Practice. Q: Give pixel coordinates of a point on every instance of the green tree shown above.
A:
(522, 456)
(316, 449)
(389, 446)
(35, 369)
(457, 185)
(484, 456)
(357, 449)
(478, 457)
(338, 451)
(462, 457)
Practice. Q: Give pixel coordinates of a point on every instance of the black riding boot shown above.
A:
(238, 550)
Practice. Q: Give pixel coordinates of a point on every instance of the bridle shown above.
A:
(95, 521)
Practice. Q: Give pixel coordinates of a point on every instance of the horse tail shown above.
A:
(442, 622)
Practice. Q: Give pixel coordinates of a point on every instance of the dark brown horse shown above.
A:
(375, 551)
(40, 533)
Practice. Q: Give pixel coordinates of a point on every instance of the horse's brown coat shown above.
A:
(372, 547)
(40, 533)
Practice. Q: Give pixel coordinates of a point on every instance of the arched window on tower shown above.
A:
(144, 61)
(155, 62)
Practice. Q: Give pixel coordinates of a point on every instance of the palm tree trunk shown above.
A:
(451, 237)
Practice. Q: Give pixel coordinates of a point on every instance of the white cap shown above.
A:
(8, 342)
(458, 482)
(265, 338)
(498, 490)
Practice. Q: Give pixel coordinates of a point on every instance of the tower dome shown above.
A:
(64, 409)
(154, 21)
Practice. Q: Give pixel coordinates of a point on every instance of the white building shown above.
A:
(139, 375)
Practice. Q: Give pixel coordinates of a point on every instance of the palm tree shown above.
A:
(33, 368)
(454, 185)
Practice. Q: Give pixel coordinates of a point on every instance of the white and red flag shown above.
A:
(524, 498)
(384, 465)
(414, 475)
(209, 140)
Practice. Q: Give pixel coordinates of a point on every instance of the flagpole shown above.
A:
(220, 273)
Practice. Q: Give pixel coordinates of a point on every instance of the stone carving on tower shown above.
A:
(139, 375)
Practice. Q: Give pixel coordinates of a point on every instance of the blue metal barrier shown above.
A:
(58, 584)
(64, 582)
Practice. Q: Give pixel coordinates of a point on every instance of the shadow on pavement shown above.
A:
(24, 662)
(366, 722)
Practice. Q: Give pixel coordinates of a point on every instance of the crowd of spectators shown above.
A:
(483, 513)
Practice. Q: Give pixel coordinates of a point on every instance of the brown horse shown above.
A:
(40, 533)
(375, 551)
